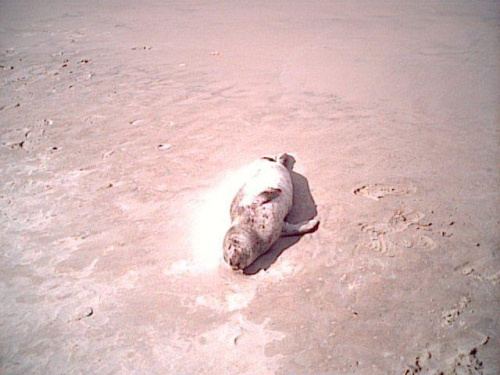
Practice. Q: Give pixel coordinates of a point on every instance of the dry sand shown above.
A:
(124, 128)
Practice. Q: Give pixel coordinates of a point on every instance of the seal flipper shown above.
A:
(268, 158)
(266, 196)
(299, 228)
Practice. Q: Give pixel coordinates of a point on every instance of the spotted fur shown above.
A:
(258, 212)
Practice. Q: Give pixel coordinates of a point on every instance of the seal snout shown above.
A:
(237, 247)
(235, 264)
(235, 258)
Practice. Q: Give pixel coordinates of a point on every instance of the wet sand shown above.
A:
(126, 127)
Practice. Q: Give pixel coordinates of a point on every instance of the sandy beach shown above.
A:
(126, 127)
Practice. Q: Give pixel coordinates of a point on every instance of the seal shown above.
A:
(258, 213)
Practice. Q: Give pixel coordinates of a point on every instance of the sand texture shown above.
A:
(127, 126)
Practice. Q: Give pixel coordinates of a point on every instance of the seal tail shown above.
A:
(286, 160)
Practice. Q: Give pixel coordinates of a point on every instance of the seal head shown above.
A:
(240, 245)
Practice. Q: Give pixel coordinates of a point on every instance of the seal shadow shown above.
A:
(303, 209)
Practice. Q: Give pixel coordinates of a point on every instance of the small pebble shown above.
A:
(88, 312)
(85, 314)
(142, 48)
(108, 154)
(163, 146)
(467, 270)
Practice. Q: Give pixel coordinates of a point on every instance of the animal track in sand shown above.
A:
(378, 191)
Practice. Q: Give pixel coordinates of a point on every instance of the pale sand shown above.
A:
(110, 242)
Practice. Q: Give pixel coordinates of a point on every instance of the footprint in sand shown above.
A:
(402, 229)
(378, 191)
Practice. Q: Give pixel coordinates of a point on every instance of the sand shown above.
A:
(127, 126)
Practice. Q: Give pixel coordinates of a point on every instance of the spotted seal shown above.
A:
(258, 213)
